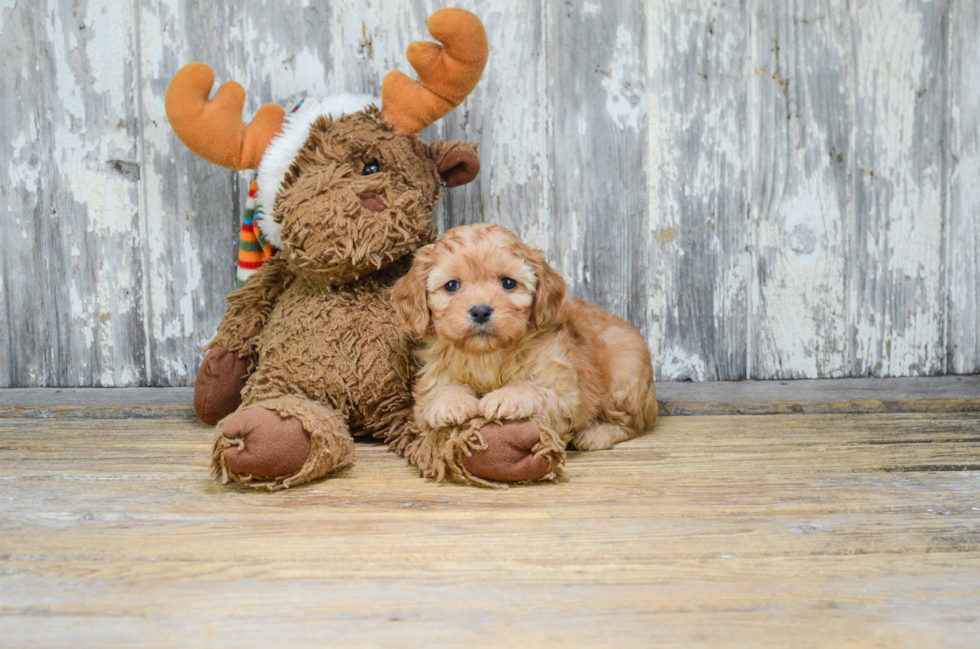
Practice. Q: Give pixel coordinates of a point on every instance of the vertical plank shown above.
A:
(896, 308)
(73, 305)
(801, 201)
(289, 50)
(15, 163)
(963, 204)
(597, 70)
(698, 211)
(190, 207)
(508, 116)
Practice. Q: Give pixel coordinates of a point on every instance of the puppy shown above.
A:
(502, 342)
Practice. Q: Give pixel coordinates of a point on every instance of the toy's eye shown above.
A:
(451, 286)
(508, 284)
(372, 167)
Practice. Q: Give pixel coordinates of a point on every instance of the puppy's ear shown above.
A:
(550, 293)
(410, 296)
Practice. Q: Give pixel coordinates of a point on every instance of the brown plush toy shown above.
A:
(310, 351)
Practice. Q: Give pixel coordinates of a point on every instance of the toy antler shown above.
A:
(447, 73)
(214, 129)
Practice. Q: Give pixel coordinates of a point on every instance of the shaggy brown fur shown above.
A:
(502, 343)
(322, 243)
(318, 319)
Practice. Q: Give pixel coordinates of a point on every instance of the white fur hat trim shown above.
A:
(284, 148)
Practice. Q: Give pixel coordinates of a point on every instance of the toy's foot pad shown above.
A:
(265, 444)
(218, 388)
(508, 456)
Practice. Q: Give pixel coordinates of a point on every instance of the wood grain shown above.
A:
(810, 530)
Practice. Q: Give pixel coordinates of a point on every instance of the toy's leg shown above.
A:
(218, 389)
(516, 451)
(488, 454)
(280, 442)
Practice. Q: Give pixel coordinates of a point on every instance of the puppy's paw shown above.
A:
(599, 437)
(450, 410)
(508, 403)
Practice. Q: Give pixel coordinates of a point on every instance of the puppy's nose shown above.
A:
(481, 313)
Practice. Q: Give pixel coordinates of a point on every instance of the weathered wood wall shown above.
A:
(768, 189)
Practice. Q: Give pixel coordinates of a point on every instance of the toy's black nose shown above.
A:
(481, 313)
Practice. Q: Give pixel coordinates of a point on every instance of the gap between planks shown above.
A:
(820, 396)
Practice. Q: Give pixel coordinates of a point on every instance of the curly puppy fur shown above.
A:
(317, 320)
(580, 373)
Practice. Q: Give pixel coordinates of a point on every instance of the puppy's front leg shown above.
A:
(518, 401)
(451, 405)
(527, 400)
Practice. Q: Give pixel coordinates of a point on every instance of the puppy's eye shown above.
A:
(451, 286)
(508, 284)
(372, 167)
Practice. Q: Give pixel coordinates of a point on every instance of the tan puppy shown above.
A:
(502, 342)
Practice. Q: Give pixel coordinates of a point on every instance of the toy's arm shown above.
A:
(249, 307)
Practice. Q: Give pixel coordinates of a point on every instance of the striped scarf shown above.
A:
(253, 249)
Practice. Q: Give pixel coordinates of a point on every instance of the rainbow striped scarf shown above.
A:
(253, 249)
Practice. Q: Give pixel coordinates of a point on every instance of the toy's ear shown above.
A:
(410, 295)
(457, 162)
(549, 294)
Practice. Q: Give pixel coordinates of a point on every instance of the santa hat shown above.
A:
(283, 149)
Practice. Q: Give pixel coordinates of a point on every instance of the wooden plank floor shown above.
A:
(842, 530)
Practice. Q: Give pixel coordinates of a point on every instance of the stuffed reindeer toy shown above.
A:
(310, 351)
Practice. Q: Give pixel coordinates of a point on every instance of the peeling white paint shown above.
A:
(696, 169)
(799, 205)
(4, 6)
(898, 334)
(109, 42)
(680, 365)
(72, 210)
(623, 81)
(289, 72)
(811, 271)
(802, 297)
(81, 153)
(24, 169)
(81, 316)
(963, 204)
